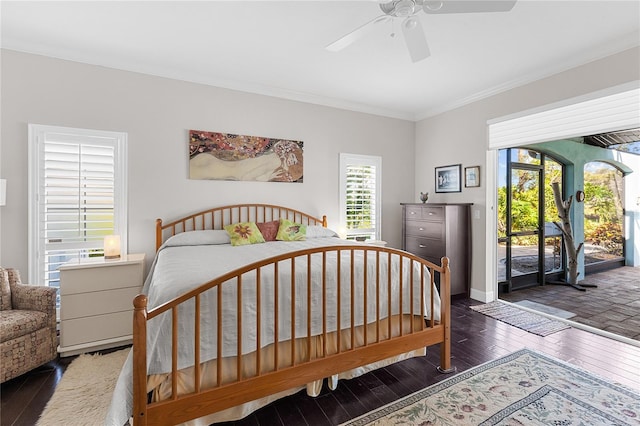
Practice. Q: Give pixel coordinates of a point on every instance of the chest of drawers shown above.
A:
(432, 231)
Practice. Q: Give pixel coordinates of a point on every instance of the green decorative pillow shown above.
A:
(244, 233)
(291, 231)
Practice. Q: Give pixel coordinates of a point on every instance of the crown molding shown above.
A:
(198, 78)
(628, 42)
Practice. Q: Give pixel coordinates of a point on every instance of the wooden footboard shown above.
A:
(366, 302)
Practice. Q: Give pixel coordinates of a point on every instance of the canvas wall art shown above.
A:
(225, 156)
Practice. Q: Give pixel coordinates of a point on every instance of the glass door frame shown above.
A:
(539, 277)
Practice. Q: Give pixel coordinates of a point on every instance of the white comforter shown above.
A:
(180, 266)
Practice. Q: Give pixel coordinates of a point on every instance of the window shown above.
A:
(360, 201)
(77, 193)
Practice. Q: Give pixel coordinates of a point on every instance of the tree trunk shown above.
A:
(564, 208)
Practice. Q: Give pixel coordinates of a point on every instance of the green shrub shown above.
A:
(607, 235)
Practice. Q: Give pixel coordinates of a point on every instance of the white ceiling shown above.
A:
(277, 47)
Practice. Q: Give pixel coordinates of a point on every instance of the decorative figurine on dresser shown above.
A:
(434, 230)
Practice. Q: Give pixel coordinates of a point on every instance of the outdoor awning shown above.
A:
(623, 140)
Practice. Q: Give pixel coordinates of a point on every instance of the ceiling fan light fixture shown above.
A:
(414, 35)
(405, 8)
(433, 5)
(401, 8)
(410, 23)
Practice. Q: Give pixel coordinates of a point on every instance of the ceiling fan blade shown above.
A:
(415, 39)
(467, 6)
(354, 35)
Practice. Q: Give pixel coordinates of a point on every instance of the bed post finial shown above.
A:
(140, 302)
(324, 220)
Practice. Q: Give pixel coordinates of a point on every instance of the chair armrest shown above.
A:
(34, 298)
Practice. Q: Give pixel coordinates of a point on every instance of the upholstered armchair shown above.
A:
(28, 336)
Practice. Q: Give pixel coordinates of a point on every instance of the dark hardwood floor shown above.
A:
(476, 339)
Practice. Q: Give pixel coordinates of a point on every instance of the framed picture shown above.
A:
(471, 176)
(448, 178)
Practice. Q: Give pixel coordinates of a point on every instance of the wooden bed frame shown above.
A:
(183, 407)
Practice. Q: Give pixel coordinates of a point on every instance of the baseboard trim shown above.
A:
(482, 296)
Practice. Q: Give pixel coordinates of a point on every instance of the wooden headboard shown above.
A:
(218, 217)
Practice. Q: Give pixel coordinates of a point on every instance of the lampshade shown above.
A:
(112, 247)
(3, 192)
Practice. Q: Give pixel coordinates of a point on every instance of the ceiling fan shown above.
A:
(411, 27)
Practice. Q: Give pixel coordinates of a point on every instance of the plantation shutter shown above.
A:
(360, 198)
(78, 192)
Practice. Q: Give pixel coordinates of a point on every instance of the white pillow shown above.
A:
(199, 238)
(316, 231)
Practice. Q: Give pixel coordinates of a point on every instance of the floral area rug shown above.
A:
(525, 320)
(524, 388)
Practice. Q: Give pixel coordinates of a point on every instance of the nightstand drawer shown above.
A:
(91, 329)
(98, 303)
(425, 229)
(425, 248)
(114, 276)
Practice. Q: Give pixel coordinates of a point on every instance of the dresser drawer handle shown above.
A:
(430, 213)
(422, 246)
(420, 229)
(412, 212)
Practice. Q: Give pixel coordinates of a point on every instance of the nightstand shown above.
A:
(96, 302)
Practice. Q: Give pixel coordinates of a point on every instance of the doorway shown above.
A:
(529, 244)
(604, 226)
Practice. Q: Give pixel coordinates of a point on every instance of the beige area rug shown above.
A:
(84, 393)
(524, 388)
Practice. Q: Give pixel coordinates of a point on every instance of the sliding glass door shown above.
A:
(529, 244)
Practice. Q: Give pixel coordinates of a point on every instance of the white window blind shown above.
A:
(77, 193)
(360, 196)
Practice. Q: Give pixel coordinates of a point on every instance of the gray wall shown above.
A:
(157, 114)
(460, 136)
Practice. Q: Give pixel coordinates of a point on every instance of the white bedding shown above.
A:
(180, 266)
